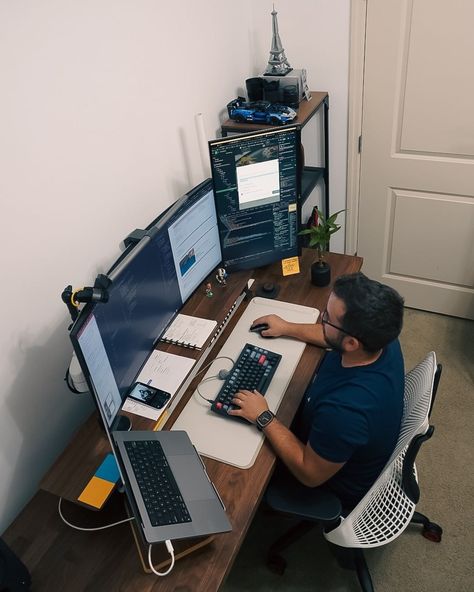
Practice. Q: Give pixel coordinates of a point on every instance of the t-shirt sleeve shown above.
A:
(337, 431)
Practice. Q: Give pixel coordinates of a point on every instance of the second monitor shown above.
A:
(257, 188)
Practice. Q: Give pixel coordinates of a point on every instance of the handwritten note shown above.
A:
(165, 371)
(189, 331)
(290, 266)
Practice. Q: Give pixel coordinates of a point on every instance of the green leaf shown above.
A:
(333, 217)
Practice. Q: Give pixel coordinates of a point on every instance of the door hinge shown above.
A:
(359, 147)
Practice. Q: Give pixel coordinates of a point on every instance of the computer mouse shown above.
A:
(258, 328)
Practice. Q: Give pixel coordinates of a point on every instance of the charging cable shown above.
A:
(90, 529)
(169, 546)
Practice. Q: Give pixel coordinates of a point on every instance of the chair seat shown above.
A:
(286, 494)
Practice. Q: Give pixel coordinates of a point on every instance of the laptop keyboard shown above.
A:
(162, 498)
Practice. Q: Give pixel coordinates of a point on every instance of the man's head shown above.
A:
(364, 311)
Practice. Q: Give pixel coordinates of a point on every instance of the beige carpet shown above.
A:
(445, 465)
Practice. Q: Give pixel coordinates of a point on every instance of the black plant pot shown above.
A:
(320, 274)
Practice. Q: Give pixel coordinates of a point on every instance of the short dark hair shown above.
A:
(374, 311)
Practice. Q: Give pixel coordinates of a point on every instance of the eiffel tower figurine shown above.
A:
(277, 64)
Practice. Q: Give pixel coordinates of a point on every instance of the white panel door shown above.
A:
(416, 209)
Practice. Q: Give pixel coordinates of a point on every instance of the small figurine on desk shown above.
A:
(209, 292)
(221, 276)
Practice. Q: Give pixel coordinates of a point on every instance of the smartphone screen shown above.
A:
(149, 395)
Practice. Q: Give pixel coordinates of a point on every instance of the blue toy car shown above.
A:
(260, 112)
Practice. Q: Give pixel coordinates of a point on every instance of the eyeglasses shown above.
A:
(324, 321)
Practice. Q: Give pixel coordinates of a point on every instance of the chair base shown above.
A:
(275, 562)
(431, 531)
(363, 573)
(353, 559)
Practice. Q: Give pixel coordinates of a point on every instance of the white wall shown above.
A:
(98, 136)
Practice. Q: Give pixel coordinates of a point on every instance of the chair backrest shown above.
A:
(416, 402)
(385, 511)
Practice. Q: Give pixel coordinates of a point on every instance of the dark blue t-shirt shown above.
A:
(353, 415)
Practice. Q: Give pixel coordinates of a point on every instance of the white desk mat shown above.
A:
(228, 440)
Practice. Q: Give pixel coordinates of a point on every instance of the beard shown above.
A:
(335, 344)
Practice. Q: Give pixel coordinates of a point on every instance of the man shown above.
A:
(349, 421)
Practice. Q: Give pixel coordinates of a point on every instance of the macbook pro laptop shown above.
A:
(169, 491)
(186, 504)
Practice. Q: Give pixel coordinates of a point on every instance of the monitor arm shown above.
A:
(74, 298)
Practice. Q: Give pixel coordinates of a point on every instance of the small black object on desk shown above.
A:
(258, 328)
(267, 290)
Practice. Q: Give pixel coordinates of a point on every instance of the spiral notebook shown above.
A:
(189, 331)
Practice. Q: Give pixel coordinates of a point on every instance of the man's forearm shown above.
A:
(289, 449)
(308, 332)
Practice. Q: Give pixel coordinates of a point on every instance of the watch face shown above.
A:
(264, 418)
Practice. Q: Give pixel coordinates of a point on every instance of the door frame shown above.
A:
(358, 25)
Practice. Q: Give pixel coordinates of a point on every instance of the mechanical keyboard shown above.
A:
(161, 495)
(253, 370)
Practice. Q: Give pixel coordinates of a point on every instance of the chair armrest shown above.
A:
(409, 482)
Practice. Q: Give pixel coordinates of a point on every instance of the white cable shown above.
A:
(214, 360)
(202, 382)
(90, 529)
(210, 377)
(169, 546)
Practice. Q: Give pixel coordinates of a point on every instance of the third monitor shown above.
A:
(257, 190)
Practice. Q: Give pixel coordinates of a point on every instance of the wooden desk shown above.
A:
(61, 558)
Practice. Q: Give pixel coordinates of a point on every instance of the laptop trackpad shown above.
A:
(190, 477)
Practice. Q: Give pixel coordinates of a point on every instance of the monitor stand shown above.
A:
(267, 290)
(122, 423)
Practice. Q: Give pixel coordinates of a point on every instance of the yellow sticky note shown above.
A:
(290, 266)
(96, 492)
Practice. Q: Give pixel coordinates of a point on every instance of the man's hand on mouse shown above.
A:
(276, 325)
(251, 405)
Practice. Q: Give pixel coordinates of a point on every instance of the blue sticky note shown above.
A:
(108, 470)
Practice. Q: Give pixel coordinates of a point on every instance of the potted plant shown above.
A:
(319, 232)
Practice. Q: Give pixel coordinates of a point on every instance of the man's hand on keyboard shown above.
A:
(251, 404)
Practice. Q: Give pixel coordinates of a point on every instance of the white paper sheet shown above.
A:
(140, 409)
(165, 371)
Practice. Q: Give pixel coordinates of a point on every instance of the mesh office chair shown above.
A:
(388, 507)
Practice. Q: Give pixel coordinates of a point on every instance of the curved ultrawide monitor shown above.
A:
(149, 285)
(256, 180)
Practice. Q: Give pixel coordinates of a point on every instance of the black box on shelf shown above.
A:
(288, 89)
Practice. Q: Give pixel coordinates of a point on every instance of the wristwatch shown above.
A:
(265, 419)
